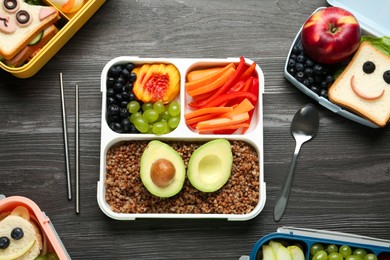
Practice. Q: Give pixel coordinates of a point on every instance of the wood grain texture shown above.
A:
(342, 176)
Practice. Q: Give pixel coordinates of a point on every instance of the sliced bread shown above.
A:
(364, 85)
(20, 23)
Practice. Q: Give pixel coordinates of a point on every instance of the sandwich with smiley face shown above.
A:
(22, 24)
(364, 85)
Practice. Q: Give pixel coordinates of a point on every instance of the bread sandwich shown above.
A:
(364, 85)
(21, 24)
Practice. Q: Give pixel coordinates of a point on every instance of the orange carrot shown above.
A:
(201, 73)
(242, 107)
(208, 110)
(227, 127)
(215, 84)
(248, 84)
(220, 123)
(193, 121)
(208, 79)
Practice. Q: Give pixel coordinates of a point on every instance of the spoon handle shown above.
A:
(282, 200)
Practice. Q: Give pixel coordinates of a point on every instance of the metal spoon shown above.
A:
(303, 128)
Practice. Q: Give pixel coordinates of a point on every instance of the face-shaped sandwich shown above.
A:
(20, 23)
(364, 86)
(20, 238)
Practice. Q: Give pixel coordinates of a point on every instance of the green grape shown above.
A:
(159, 107)
(320, 255)
(315, 248)
(52, 256)
(146, 106)
(173, 122)
(345, 250)
(133, 106)
(160, 128)
(335, 256)
(360, 252)
(174, 108)
(135, 116)
(370, 257)
(141, 125)
(41, 257)
(331, 248)
(165, 115)
(353, 257)
(150, 115)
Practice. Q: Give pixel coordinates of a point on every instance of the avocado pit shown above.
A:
(162, 172)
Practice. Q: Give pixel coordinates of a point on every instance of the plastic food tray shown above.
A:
(47, 228)
(307, 237)
(70, 24)
(254, 135)
(371, 23)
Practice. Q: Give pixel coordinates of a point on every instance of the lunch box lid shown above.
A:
(373, 16)
(333, 235)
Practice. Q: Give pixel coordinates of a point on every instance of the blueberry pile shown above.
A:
(120, 79)
(317, 77)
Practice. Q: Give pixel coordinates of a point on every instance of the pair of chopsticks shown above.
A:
(67, 161)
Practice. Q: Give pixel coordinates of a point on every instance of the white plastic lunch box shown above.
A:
(254, 135)
(372, 23)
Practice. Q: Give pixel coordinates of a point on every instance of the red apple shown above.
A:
(330, 35)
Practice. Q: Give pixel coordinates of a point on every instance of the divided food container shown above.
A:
(253, 137)
(68, 25)
(305, 238)
(53, 241)
(372, 22)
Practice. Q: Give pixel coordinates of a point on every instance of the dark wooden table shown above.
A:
(342, 179)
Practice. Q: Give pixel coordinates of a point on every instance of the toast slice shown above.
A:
(30, 51)
(20, 23)
(363, 85)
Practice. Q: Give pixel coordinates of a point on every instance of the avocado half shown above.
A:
(162, 170)
(210, 165)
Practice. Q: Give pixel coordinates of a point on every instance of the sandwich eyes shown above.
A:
(386, 76)
(4, 242)
(17, 233)
(10, 5)
(23, 17)
(368, 67)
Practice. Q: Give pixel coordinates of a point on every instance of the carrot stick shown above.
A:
(228, 127)
(215, 84)
(208, 79)
(222, 122)
(208, 110)
(201, 73)
(242, 107)
(193, 121)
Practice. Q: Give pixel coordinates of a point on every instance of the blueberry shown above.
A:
(125, 96)
(291, 63)
(111, 101)
(118, 97)
(299, 66)
(306, 82)
(324, 85)
(117, 87)
(110, 81)
(291, 70)
(318, 69)
(324, 93)
(315, 89)
(117, 127)
(309, 63)
(113, 110)
(113, 119)
(293, 56)
(368, 67)
(121, 80)
(300, 76)
(317, 79)
(386, 76)
(114, 71)
(4, 242)
(133, 129)
(123, 113)
(310, 79)
(301, 58)
(127, 87)
(17, 233)
(110, 92)
(129, 66)
(133, 77)
(296, 50)
(125, 73)
(308, 71)
(123, 104)
(131, 96)
(126, 125)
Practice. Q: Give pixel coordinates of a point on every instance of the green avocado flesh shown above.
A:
(210, 165)
(156, 152)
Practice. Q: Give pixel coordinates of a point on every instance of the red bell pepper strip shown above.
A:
(229, 96)
(248, 72)
(248, 84)
(237, 87)
(239, 71)
(255, 91)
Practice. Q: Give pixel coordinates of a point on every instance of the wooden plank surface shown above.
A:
(342, 177)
